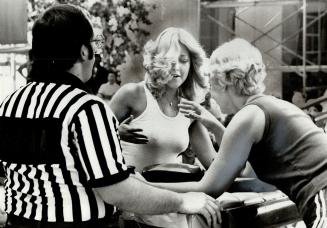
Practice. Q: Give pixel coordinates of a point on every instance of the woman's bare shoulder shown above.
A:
(251, 120)
(132, 96)
(248, 112)
(131, 91)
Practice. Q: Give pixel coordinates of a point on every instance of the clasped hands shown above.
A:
(198, 203)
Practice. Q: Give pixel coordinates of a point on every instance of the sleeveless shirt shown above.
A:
(168, 136)
(292, 153)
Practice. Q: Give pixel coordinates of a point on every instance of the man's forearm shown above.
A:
(136, 196)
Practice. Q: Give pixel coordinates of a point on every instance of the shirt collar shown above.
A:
(65, 78)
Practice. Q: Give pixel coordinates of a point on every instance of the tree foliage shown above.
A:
(122, 22)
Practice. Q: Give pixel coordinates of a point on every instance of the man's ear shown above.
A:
(84, 53)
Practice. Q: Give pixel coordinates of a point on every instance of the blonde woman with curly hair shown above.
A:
(283, 145)
(158, 132)
(172, 62)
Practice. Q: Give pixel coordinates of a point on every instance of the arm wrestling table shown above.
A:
(250, 202)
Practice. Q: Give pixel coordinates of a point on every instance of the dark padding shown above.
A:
(172, 172)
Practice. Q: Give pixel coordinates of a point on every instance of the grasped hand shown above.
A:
(227, 200)
(195, 111)
(130, 134)
(200, 203)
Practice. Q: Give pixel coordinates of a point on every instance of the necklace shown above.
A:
(171, 102)
(169, 107)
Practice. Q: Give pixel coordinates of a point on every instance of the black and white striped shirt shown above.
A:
(57, 142)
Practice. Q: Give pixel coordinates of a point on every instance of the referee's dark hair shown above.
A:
(58, 36)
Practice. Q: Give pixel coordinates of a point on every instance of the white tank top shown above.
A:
(168, 136)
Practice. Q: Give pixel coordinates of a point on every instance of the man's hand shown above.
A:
(130, 134)
(200, 203)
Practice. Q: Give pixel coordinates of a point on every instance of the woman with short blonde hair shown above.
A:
(282, 144)
(237, 63)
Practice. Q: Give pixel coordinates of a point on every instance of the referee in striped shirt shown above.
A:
(59, 145)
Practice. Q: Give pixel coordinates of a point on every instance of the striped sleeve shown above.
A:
(98, 145)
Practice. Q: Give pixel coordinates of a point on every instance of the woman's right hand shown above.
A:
(195, 111)
(130, 134)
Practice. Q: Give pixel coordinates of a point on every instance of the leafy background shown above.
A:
(122, 22)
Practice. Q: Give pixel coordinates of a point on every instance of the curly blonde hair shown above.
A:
(239, 64)
(157, 63)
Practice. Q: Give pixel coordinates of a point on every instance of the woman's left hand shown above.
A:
(195, 111)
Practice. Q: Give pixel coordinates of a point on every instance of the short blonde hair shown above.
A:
(157, 66)
(239, 64)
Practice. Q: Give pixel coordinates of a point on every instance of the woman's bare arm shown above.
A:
(195, 111)
(201, 144)
(127, 102)
(240, 135)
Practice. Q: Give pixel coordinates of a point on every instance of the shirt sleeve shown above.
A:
(96, 135)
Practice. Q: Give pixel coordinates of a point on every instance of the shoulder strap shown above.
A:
(150, 100)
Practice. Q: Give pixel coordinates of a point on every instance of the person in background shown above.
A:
(118, 79)
(157, 131)
(298, 99)
(283, 145)
(314, 110)
(25, 68)
(59, 144)
(108, 89)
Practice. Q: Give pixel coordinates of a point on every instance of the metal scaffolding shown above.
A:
(307, 22)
